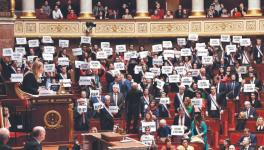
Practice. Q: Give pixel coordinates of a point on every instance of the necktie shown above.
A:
(83, 118)
(116, 99)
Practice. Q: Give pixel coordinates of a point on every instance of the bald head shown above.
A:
(39, 133)
(134, 86)
(4, 135)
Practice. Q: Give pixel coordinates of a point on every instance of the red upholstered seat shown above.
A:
(235, 136)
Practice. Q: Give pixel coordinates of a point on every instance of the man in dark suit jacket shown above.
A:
(38, 135)
(220, 87)
(233, 88)
(249, 110)
(248, 137)
(182, 119)
(133, 106)
(258, 52)
(215, 103)
(253, 101)
(179, 97)
(117, 99)
(6, 69)
(4, 137)
(254, 80)
(179, 12)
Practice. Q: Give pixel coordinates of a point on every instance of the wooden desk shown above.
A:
(55, 114)
(95, 139)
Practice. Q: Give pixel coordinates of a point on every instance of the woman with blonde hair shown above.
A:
(32, 78)
(260, 124)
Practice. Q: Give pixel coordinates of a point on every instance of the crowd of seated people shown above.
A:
(139, 83)
(70, 11)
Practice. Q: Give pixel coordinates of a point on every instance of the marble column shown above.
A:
(197, 9)
(142, 10)
(254, 8)
(28, 9)
(86, 9)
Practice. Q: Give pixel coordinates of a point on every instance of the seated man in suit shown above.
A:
(245, 145)
(253, 101)
(248, 113)
(38, 135)
(117, 99)
(4, 137)
(251, 138)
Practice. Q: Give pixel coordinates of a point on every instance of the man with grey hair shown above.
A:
(4, 137)
(117, 99)
(179, 97)
(249, 110)
(38, 135)
(133, 106)
(246, 144)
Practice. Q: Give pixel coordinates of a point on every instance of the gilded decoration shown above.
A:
(261, 25)
(169, 27)
(196, 26)
(30, 27)
(251, 25)
(114, 27)
(18, 27)
(142, 27)
(59, 27)
(224, 26)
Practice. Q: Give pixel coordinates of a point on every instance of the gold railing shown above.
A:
(141, 28)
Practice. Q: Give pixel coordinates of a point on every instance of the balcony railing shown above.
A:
(141, 28)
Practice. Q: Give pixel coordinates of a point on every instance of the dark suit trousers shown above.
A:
(132, 114)
(214, 114)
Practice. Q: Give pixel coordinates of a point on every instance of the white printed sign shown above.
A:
(49, 49)
(249, 87)
(17, 57)
(21, 50)
(113, 109)
(119, 66)
(108, 51)
(180, 70)
(49, 67)
(98, 106)
(47, 57)
(174, 78)
(85, 80)
(203, 84)
(94, 93)
(7, 51)
(31, 58)
(193, 37)
(157, 48)
(120, 48)
(236, 39)
(47, 39)
(105, 45)
(186, 80)
(214, 42)
(167, 69)
(230, 49)
(85, 40)
(157, 61)
(168, 53)
(152, 126)
(156, 71)
(95, 65)
(200, 45)
(160, 83)
(21, 41)
(63, 61)
(16, 78)
(197, 102)
(186, 52)
(64, 43)
(177, 130)
(101, 55)
(242, 69)
(167, 44)
(33, 43)
(202, 52)
(66, 82)
(78, 63)
(164, 100)
(225, 38)
(207, 60)
(85, 66)
(149, 75)
(77, 51)
(195, 72)
(181, 41)
(143, 54)
(245, 42)
(82, 109)
(138, 69)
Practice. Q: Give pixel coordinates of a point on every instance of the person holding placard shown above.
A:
(199, 131)
(117, 99)
(254, 80)
(185, 145)
(182, 119)
(106, 117)
(32, 79)
(147, 119)
(254, 101)
(164, 106)
(82, 113)
(258, 52)
(164, 130)
(147, 138)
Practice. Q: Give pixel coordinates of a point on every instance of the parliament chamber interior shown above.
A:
(131, 75)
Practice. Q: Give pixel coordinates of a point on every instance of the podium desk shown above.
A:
(55, 114)
(95, 141)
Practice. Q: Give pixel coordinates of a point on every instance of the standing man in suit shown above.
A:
(38, 135)
(258, 51)
(182, 119)
(250, 139)
(215, 104)
(179, 97)
(233, 88)
(133, 106)
(117, 99)
(253, 101)
(220, 87)
(4, 137)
